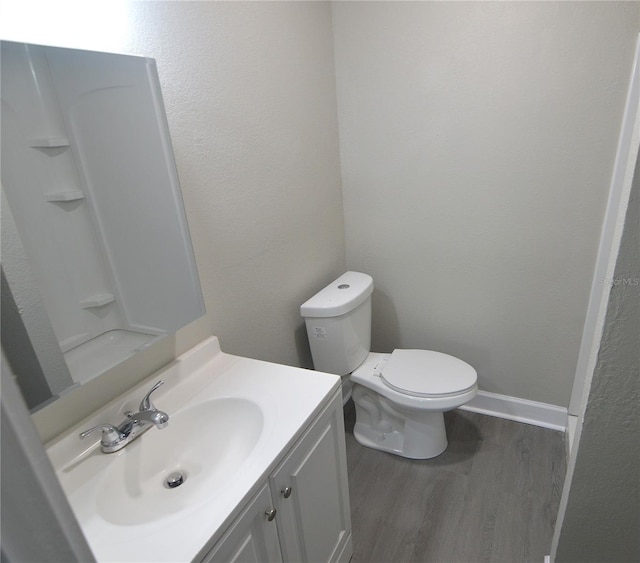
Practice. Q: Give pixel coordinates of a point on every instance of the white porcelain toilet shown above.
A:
(400, 397)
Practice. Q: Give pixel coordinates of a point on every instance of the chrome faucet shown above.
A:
(115, 438)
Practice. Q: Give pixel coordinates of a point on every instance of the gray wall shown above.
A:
(602, 513)
(477, 143)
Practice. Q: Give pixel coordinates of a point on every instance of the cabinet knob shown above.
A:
(286, 492)
(271, 514)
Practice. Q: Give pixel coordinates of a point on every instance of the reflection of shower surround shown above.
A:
(88, 171)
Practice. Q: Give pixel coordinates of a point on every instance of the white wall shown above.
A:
(249, 91)
(477, 143)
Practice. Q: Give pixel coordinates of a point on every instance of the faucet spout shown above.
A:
(158, 418)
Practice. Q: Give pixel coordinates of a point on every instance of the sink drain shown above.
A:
(175, 480)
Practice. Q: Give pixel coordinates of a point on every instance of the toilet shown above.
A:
(400, 397)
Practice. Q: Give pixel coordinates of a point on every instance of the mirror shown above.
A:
(96, 255)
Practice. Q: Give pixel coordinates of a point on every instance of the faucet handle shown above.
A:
(146, 404)
(110, 434)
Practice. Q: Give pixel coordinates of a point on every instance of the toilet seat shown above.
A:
(369, 375)
(425, 373)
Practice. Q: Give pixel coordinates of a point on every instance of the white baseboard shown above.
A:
(519, 410)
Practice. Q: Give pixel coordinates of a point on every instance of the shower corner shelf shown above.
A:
(96, 301)
(67, 195)
(49, 142)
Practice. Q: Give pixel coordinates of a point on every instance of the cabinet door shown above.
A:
(310, 492)
(252, 538)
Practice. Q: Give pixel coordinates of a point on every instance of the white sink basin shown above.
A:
(206, 444)
(229, 420)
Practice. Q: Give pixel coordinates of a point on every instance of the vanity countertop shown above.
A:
(147, 527)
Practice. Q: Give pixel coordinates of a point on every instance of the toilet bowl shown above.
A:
(400, 397)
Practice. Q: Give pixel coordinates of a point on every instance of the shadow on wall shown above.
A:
(386, 337)
(384, 322)
(302, 347)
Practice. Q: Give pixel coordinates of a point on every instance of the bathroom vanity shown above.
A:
(259, 446)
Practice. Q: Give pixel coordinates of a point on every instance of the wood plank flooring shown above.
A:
(492, 496)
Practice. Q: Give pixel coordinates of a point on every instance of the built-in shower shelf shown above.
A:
(68, 195)
(99, 354)
(49, 142)
(96, 301)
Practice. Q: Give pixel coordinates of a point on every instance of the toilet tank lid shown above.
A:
(339, 297)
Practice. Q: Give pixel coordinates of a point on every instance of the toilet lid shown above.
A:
(424, 373)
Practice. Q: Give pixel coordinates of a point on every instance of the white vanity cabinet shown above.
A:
(308, 494)
(252, 538)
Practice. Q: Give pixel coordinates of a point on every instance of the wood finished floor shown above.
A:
(492, 496)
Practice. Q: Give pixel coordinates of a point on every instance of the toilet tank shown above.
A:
(338, 320)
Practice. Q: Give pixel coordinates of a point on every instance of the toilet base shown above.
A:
(381, 425)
